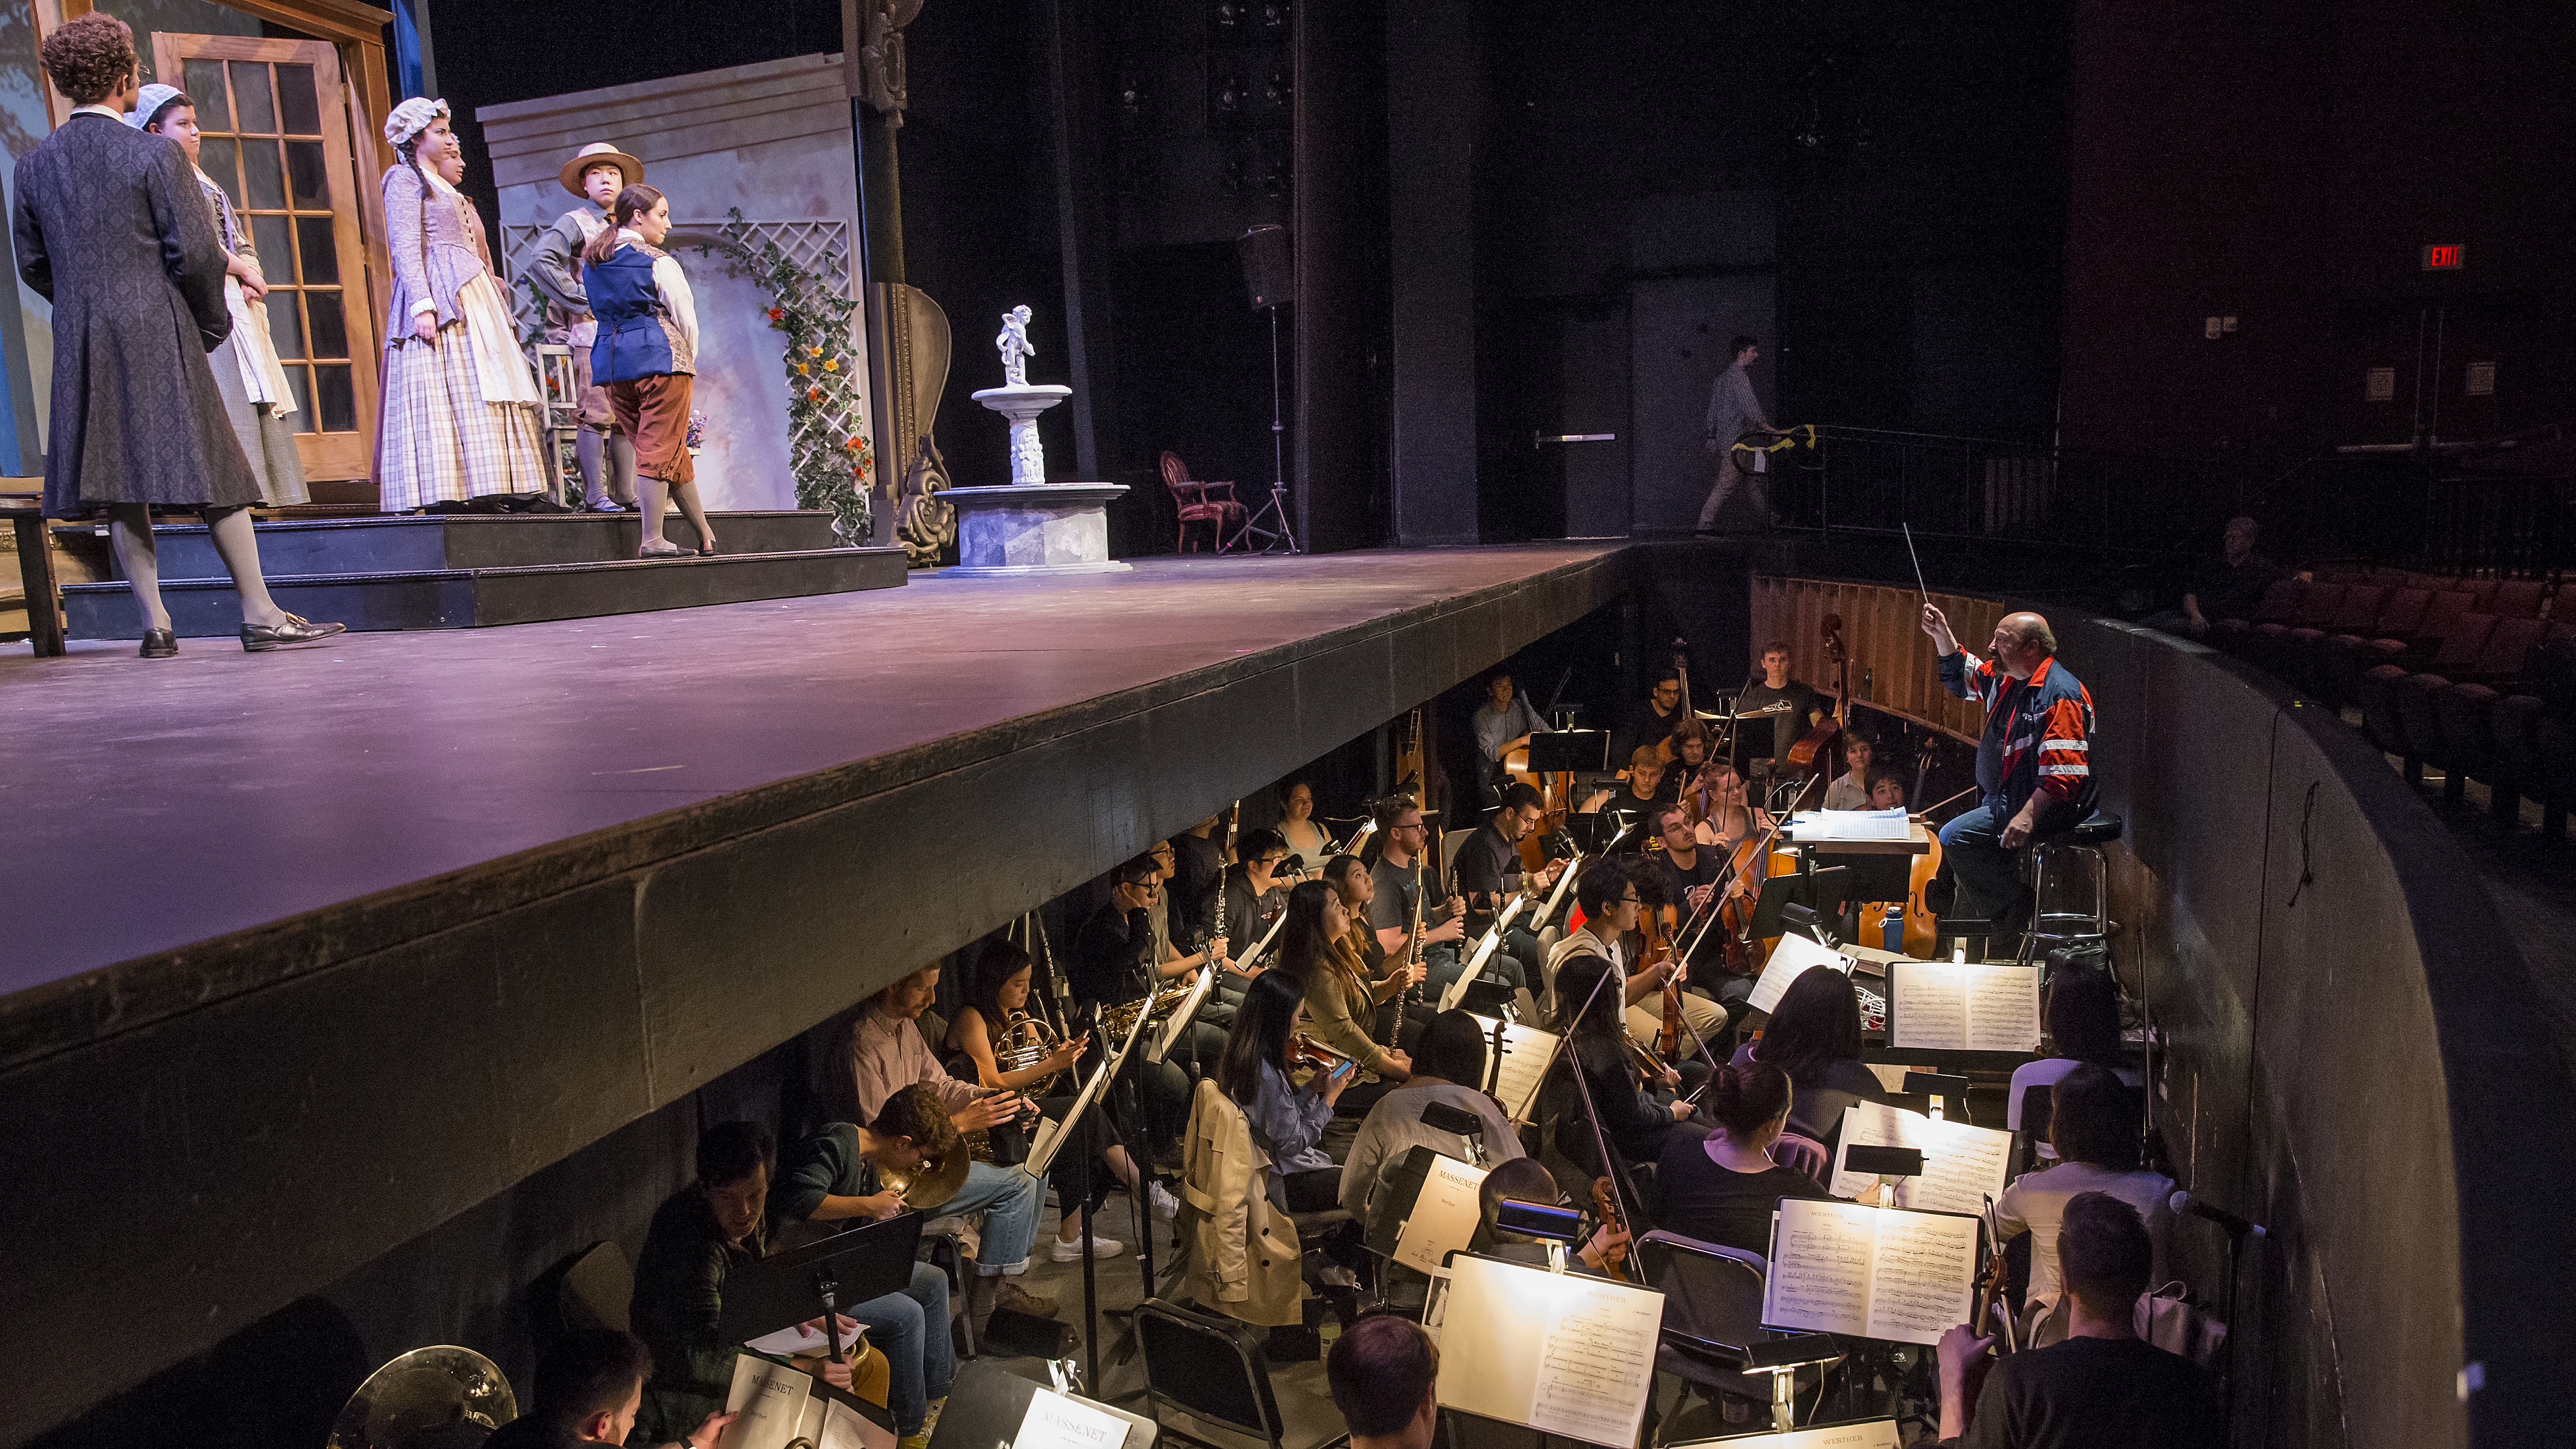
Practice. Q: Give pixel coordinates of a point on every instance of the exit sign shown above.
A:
(2445, 257)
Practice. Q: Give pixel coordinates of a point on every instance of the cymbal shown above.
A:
(429, 1398)
(934, 1184)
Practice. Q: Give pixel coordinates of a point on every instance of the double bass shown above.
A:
(1813, 753)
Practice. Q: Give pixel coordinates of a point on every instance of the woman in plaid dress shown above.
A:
(462, 414)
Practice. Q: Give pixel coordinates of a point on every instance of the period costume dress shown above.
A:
(462, 416)
(647, 352)
(112, 229)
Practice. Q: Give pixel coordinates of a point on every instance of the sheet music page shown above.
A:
(1928, 1006)
(1526, 1054)
(771, 1398)
(1596, 1364)
(1444, 1215)
(1864, 1434)
(1964, 1165)
(1056, 1422)
(1924, 1282)
(846, 1428)
(2003, 1009)
(1828, 825)
(1876, 1124)
(1820, 1258)
(1789, 961)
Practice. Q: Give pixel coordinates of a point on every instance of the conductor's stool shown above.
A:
(2072, 885)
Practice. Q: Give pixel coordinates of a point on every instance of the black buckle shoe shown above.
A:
(160, 644)
(260, 638)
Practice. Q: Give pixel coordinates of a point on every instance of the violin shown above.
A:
(1306, 1051)
(1990, 1288)
(1659, 946)
(1614, 1263)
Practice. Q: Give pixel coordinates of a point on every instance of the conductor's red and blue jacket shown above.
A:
(2038, 737)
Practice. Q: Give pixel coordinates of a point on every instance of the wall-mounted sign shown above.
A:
(2445, 256)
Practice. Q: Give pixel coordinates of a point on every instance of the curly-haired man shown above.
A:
(112, 229)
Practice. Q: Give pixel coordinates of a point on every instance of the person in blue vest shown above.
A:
(647, 358)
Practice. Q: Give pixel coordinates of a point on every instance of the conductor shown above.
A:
(2034, 772)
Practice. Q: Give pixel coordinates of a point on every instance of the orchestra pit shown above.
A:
(1629, 725)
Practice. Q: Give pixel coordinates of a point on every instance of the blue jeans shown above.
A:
(1010, 1200)
(911, 1329)
(1988, 875)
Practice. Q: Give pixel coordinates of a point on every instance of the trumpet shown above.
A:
(1026, 1041)
(1117, 1021)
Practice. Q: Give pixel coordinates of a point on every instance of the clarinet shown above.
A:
(1216, 926)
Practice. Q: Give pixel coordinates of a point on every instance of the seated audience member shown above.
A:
(862, 1058)
(1339, 1002)
(1287, 1120)
(1814, 1037)
(828, 1182)
(1526, 1179)
(1850, 790)
(1723, 1188)
(1383, 1371)
(590, 1386)
(699, 1235)
(1002, 983)
(1449, 1070)
(1589, 1019)
(2095, 1129)
(2102, 1387)
(2226, 587)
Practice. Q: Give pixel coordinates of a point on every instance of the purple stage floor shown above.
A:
(152, 805)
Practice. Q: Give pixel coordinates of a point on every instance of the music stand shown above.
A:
(987, 1404)
(1558, 752)
(1820, 891)
(869, 1261)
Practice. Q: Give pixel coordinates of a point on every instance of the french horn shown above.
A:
(1027, 1041)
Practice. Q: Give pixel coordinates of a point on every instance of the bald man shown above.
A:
(2034, 771)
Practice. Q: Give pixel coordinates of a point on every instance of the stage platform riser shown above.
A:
(207, 608)
(458, 541)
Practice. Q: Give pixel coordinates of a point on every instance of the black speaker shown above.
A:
(1269, 274)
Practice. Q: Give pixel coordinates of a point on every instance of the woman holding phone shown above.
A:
(1287, 1120)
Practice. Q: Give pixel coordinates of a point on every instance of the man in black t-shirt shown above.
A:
(2103, 1388)
(1805, 706)
(1489, 871)
(1653, 720)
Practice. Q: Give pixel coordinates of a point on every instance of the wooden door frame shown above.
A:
(359, 313)
(356, 31)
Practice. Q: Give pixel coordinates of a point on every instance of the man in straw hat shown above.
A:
(597, 174)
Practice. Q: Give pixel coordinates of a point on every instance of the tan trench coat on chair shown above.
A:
(1243, 1251)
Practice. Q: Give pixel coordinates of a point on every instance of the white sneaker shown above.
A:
(1166, 1206)
(1071, 1252)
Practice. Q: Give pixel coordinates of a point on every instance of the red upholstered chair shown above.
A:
(2464, 710)
(2518, 598)
(1201, 503)
(2303, 650)
(2381, 714)
(2499, 656)
(2279, 604)
(2344, 655)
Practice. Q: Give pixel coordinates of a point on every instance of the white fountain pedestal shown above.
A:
(1022, 404)
(1033, 529)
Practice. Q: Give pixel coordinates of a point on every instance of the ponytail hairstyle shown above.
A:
(631, 203)
(1745, 1099)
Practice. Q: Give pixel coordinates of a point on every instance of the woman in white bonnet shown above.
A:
(257, 396)
(462, 414)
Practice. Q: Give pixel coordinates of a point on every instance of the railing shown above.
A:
(2432, 511)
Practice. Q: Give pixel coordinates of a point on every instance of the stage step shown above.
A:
(413, 544)
(470, 598)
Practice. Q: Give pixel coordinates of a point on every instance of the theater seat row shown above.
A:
(2442, 670)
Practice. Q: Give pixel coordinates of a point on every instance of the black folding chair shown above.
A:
(1712, 1311)
(1210, 1373)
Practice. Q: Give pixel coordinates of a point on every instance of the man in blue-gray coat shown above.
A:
(1732, 412)
(111, 229)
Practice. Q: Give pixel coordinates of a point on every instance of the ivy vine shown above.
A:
(832, 463)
